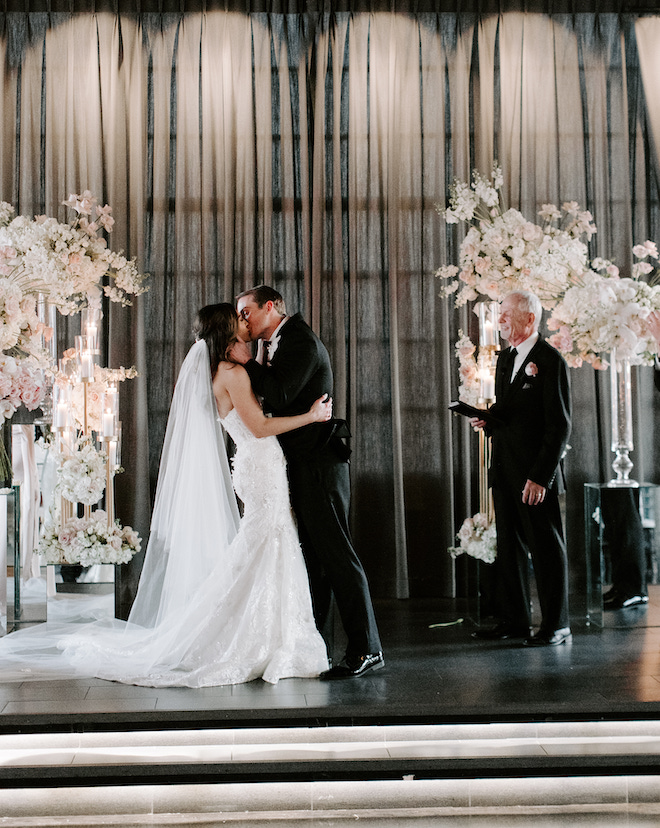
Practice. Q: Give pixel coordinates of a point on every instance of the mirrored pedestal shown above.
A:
(621, 541)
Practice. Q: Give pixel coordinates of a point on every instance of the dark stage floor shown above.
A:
(433, 674)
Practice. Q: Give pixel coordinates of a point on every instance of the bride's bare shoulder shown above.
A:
(231, 372)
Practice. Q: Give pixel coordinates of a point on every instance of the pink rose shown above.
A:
(531, 370)
(562, 341)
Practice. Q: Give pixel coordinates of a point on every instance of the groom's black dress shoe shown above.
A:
(353, 666)
(500, 632)
(552, 638)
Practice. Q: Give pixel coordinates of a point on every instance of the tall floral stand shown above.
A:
(478, 573)
(617, 513)
(622, 419)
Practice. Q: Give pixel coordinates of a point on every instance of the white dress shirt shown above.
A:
(523, 352)
(274, 341)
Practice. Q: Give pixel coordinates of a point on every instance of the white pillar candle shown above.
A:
(487, 386)
(61, 413)
(108, 424)
(112, 454)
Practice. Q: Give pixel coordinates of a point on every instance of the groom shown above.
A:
(292, 369)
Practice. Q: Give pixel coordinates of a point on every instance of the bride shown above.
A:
(220, 600)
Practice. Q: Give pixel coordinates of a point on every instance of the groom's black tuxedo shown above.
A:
(529, 440)
(298, 374)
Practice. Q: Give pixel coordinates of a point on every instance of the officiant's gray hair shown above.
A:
(528, 302)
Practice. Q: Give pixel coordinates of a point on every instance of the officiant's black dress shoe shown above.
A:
(614, 600)
(500, 632)
(354, 666)
(551, 638)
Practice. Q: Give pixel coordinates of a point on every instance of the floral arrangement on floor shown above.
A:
(477, 538)
(88, 541)
(82, 473)
(593, 309)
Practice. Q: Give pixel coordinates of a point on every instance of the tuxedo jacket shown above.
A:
(299, 373)
(533, 420)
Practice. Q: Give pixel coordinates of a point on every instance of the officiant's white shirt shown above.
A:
(523, 352)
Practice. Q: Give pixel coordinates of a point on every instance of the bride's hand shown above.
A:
(322, 409)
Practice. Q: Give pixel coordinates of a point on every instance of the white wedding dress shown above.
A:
(215, 605)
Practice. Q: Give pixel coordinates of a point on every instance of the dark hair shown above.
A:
(264, 293)
(218, 325)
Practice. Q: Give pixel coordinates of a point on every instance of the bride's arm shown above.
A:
(235, 382)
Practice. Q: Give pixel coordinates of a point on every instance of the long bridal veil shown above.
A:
(194, 520)
(195, 517)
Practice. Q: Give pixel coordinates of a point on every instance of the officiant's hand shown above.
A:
(240, 352)
(533, 494)
(476, 423)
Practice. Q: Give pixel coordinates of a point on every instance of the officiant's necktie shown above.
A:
(513, 353)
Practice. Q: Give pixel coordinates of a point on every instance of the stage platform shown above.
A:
(575, 725)
(435, 673)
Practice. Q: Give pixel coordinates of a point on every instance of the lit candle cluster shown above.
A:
(489, 343)
(488, 313)
(79, 372)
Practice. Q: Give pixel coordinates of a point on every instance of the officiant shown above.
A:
(529, 438)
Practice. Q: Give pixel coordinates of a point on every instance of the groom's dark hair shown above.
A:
(218, 326)
(265, 293)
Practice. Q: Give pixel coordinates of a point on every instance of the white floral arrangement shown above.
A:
(603, 312)
(22, 382)
(88, 541)
(477, 538)
(82, 473)
(70, 264)
(503, 251)
(469, 386)
(593, 309)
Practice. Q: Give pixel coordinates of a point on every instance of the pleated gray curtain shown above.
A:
(310, 152)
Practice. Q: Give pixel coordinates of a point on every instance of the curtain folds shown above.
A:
(310, 151)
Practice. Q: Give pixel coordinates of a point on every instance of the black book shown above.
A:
(467, 410)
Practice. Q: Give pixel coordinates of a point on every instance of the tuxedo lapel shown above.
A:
(520, 378)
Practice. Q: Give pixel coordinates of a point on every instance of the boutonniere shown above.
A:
(531, 370)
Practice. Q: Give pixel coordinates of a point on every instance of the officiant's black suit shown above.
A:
(534, 422)
(317, 458)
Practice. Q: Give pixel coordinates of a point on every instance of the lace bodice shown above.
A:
(258, 472)
(236, 428)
